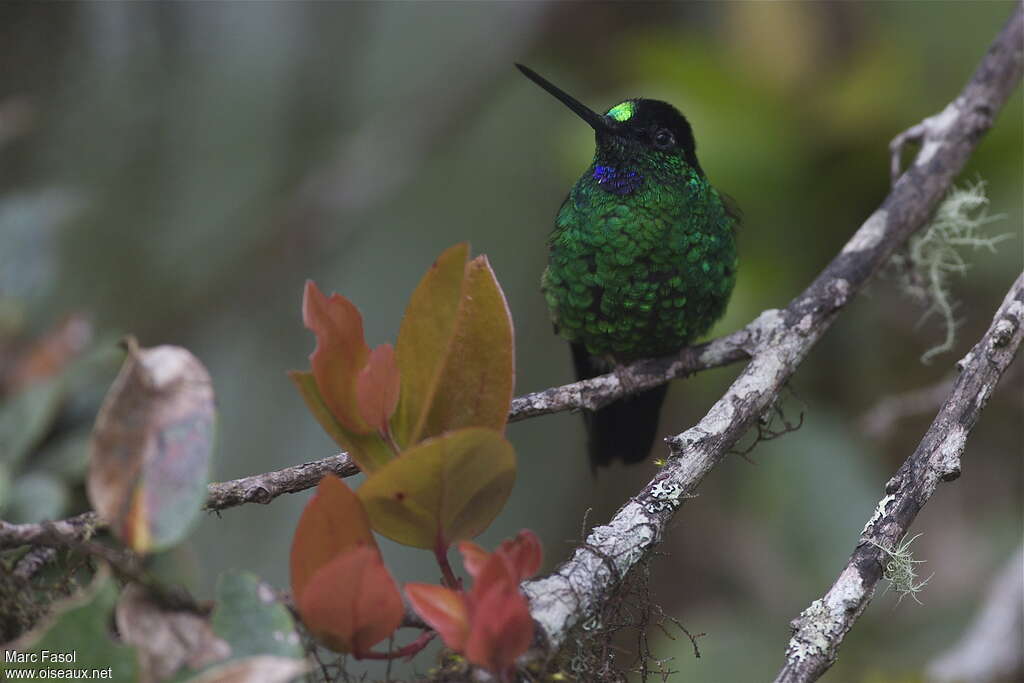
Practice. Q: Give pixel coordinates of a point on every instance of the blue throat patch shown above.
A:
(617, 182)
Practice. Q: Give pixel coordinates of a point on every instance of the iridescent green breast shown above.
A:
(639, 267)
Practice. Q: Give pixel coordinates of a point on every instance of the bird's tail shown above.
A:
(623, 430)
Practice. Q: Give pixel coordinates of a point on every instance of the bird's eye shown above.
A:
(663, 139)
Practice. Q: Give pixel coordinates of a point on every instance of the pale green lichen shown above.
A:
(899, 569)
(937, 253)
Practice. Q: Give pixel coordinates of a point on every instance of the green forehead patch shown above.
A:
(622, 112)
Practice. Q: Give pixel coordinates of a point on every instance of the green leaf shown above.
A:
(442, 490)
(26, 417)
(474, 388)
(251, 620)
(455, 351)
(425, 337)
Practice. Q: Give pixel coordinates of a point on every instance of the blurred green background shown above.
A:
(177, 170)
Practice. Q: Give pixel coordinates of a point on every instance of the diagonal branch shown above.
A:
(820, 629)
(780, 339)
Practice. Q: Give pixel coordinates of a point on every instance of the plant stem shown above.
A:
(448, 578)
(408, 651)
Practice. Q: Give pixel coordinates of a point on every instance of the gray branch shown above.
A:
(263, 488)
(820, 629)
(778, 341)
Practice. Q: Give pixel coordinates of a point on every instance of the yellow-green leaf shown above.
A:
(443, 490)
(425, 336)
(367, 450)
(474, 388)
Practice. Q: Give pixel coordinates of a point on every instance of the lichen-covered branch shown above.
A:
(778, 341)
(820, 629)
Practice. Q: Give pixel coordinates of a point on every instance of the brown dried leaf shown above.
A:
(151, 447)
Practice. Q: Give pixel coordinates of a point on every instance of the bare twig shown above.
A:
(258, 488)
(591, 394)
(820, 629)
(263, 488)
(780, 340)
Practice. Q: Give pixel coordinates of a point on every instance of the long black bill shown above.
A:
(595, 120)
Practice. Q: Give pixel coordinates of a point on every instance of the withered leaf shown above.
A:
(151, 447)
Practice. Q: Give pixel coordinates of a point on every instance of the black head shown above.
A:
(650, 125)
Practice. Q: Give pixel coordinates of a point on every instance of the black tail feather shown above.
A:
(624, 430)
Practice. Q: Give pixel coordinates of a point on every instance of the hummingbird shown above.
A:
(642, 259)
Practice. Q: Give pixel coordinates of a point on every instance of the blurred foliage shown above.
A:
(178, 170)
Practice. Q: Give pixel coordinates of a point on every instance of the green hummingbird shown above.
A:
(642, 259)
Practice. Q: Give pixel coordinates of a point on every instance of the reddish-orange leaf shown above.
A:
(443, 609)
(49, 354)
(341, 353)
(368, 450)
(473, 557)
(351, 603)
(524, 552)
(523, 555)
(332, 522)
(501, 627)
(377, 388)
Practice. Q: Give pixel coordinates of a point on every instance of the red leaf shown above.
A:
(524, 552)
(377, 388)
(333, 522)
(351, 603)
(341, 353)
(443, 609)
(473, 557)
(502, 628)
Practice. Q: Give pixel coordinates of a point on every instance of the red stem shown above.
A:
(408, 651)
(448, 578)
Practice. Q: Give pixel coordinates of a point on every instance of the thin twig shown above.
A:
(263, 488)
